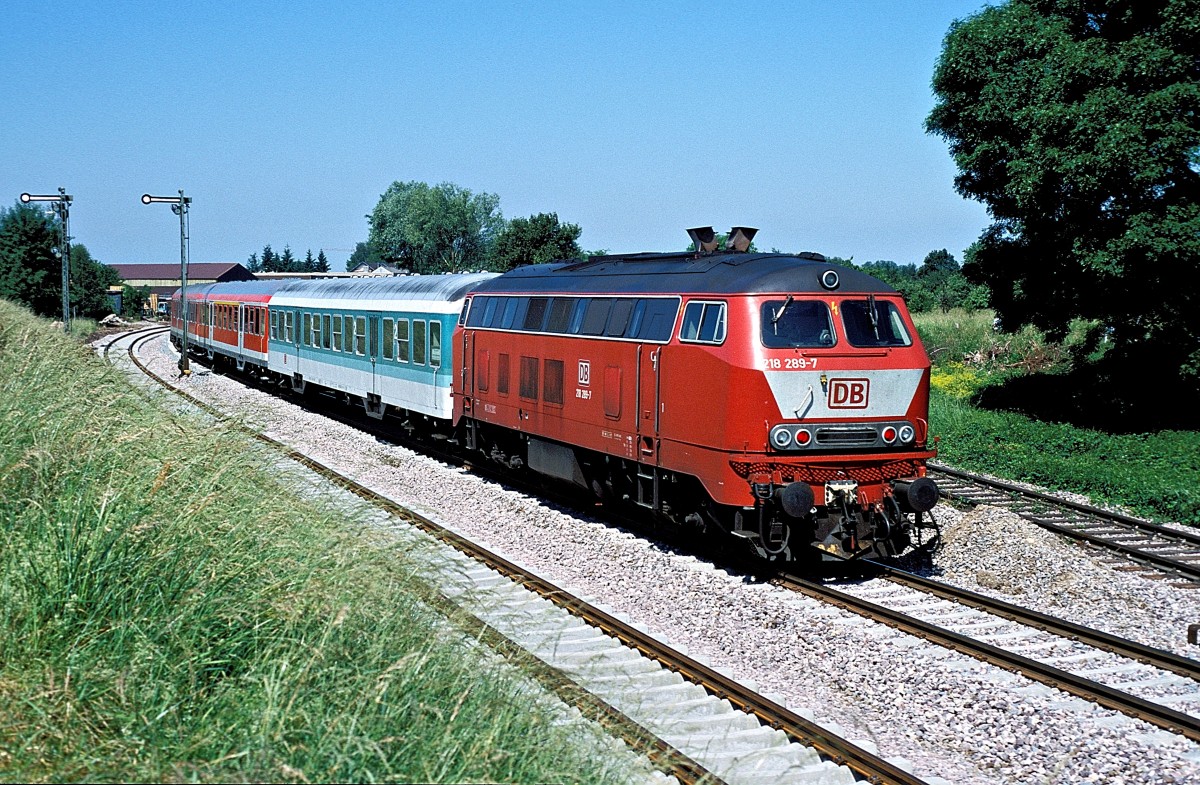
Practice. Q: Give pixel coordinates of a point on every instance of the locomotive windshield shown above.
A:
(795, 323)
(874, 323)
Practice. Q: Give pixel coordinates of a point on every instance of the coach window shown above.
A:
(703, 323)
(316, 336)
(337, 332)
(402, 340)
(306, 330)
(418, 342)
(274, 325)
(325, 325)
(435, 344)
(389, 339)
(348, 335)
(360, 335)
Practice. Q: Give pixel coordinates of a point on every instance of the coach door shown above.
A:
(375, 352)
(242, 320)
(649, 410)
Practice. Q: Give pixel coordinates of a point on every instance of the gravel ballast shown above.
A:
(948, 714)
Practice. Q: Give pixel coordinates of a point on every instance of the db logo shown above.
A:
(848, 393)
(585, 372)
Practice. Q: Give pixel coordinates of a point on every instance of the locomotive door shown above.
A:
(466, 379)
(649, 409)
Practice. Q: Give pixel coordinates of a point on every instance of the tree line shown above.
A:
(429, 229)
(31, 272)
(286, 262)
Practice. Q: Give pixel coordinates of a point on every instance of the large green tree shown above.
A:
(89, 284)
(1077, 123)
(535, 240)
(30, 273)
(364, 253)
(435, 229)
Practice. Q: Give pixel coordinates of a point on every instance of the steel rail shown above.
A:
(1148, 655)
(1099, 512)
(662, 755)
(1165, 563)
(864, 764)
(1139, 708)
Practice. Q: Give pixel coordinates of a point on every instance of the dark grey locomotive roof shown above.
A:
(659, 273)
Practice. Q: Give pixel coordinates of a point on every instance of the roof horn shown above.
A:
(739, 238)
(704, 238)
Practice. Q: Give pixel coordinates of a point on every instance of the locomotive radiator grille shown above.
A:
(822, 474)
(847, 436)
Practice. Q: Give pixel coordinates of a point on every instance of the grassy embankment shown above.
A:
(170, 612)
(1156, 474)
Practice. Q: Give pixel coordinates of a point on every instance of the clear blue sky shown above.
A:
(286, 121)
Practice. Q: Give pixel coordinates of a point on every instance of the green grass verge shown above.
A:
(168, 611)
(1155, 474)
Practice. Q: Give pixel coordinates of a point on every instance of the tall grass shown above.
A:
(171, 611)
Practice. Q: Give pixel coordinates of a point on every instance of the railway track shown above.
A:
(1174, 552)
(695, 723)
(1098, 667)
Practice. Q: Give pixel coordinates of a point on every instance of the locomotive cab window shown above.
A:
(792, 323)
(703, 322)
(873, 322)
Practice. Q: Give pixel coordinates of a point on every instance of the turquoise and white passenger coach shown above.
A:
(386, 340)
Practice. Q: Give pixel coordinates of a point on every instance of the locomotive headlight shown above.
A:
(906, 434)
(781, 437)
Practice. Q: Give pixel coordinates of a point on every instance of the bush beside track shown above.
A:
(171, 612)
(1156, 474)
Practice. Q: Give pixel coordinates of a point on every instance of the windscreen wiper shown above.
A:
(779, 313)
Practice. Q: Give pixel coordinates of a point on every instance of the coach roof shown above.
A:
(441, 288)
(233, 289)
(659, 273)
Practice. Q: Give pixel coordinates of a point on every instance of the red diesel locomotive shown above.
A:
(776, 397)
